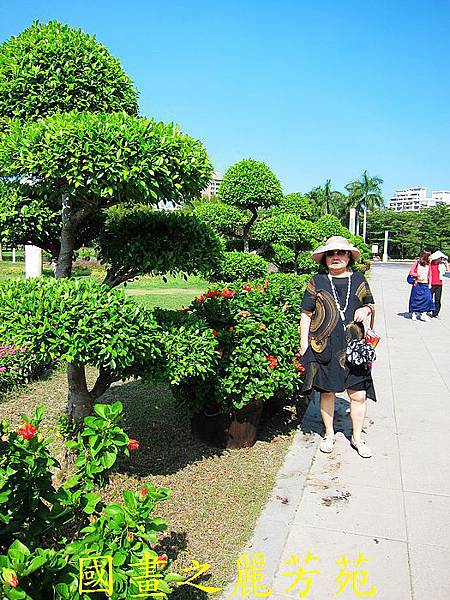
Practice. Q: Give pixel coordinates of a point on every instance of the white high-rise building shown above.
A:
(416, 198)
(213, 186)
(408, 199)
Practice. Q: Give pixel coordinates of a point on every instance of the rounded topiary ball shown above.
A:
(250, 184)
(51, 68)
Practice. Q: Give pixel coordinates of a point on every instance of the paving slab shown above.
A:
(429, 572)
(393, 508)
(386, 567)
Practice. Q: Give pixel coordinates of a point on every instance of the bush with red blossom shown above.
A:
(237, 344)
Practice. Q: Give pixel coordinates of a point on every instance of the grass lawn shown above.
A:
(217, 494)
(174, 293)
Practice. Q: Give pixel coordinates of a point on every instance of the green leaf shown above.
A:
(89, 502)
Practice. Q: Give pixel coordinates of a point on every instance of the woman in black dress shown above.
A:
(332, 304)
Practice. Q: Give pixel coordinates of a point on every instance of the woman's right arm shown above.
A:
(305, 324)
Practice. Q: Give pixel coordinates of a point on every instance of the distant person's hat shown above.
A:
(437, 255)
(335, 242)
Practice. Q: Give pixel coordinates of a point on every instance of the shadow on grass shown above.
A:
(166, 443)
(280, 417)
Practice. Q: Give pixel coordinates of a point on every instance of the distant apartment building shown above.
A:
(442, 196)
(416, 198)
(213, 187)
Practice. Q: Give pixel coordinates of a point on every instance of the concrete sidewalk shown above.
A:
(393, 508)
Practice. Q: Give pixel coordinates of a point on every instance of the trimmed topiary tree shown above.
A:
(295, 204)
(80, 323)
(250, 186)
(288, 230)
(137, 240)
(240, 266)
(71, 166)
(50, 68)
(61, 171)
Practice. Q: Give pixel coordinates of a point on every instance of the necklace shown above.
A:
(336, 300)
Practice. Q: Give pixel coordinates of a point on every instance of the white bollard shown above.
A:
(386, 242)
(14, 255)
(33, 261)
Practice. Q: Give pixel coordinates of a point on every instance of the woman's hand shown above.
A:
(303, 349)
(361, 314)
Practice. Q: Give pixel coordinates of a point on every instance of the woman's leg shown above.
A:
(358, 408)
(327, 412)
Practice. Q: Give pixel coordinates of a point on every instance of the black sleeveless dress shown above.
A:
(327, 369)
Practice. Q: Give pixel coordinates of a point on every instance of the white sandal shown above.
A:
(361, 448)
(327, 443)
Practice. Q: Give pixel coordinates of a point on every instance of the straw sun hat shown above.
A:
(335, 242)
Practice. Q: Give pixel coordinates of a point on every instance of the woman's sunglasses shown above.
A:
(338, 252)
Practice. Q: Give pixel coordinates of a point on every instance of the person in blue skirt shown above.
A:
(420, 300)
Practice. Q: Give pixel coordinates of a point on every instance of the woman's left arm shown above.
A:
(365, 311)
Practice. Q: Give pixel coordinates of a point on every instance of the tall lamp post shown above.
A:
(352, 221)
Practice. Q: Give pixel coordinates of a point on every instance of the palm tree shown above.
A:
(326, 200)
(365, 193)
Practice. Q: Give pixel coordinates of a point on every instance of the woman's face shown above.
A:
(337, 260)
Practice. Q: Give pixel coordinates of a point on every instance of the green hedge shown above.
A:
(240, 266)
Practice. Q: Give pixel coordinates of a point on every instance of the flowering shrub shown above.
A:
(237, 344)
(17, 365)
(45, 531)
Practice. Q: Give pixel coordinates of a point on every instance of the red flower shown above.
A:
(266, 284)
(261, 289)
(298, 354)
(300, 368)
(10, 577)
(273, 361)
(247, 288)
(133, 445)
(130, 536)
(201, 298)
(215, 333)
(144, 492)
(184, 310)
(212, 294)
(227, 293)
(162, 560)
(27, 431)
(244, 313)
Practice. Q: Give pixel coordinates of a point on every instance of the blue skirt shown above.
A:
(420, 299)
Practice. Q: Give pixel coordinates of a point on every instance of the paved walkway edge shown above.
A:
(273, 525)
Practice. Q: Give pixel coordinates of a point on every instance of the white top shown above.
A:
(422, 272)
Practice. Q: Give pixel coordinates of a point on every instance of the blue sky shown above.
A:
(317, 89)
